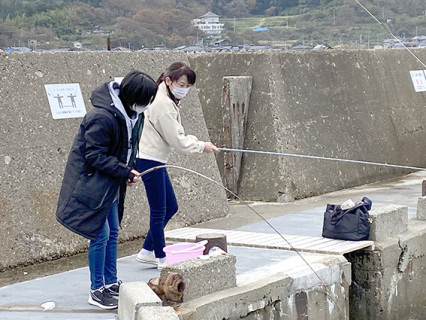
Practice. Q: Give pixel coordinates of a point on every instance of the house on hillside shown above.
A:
(209, 24)
(18, 49)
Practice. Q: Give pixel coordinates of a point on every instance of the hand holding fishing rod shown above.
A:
(210, 147)
(136, 178)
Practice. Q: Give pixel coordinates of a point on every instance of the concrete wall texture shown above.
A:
(34, 148)
(296, 294)
(383, 282)
(388, 282)
(342, 104)
(350, 104)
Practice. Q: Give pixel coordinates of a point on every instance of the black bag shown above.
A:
(350, 224)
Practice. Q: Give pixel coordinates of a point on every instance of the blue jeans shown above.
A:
(162, 204)
(103, 252)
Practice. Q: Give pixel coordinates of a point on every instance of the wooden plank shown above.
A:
(318, 245)
(345, 247)
(303, 241)
(240, 237)
(280, 241)
(314, 242)
(330, 245)
(268, 238)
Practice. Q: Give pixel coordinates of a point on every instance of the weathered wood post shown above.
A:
(235, 104)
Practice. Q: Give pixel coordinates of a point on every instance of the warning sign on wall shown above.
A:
(419, 80)
(66, 100)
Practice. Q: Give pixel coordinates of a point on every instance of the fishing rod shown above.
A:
(331, 297)
(322, 158)
(390, 31)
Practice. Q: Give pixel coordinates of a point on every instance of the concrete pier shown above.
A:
(341, 104)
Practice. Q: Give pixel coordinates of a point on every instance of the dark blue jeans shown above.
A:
(103, 252)
(162, 204)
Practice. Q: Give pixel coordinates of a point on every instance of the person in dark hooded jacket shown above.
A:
(98, 170)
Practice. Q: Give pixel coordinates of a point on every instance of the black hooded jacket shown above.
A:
(96, 169)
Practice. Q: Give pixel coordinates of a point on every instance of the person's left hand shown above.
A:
(136, 178)
(130, 183)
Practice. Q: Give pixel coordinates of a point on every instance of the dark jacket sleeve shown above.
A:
(99, 139)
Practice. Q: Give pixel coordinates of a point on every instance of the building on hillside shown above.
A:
(209, 24)
(18, 49)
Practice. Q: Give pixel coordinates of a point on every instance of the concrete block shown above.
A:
(282, 117)
(237, 302)
(156, 313)
(133, 296)
(389, 281)
(205, 276)
(421, 208)
(388, 221)
(276, 292)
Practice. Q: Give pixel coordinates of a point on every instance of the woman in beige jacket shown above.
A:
(162, 133)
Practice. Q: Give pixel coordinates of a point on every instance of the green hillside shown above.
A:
(145, 23)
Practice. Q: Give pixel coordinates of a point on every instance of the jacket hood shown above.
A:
(101, 98)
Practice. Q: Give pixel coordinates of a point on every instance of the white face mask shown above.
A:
(180, 93)
(140, 109)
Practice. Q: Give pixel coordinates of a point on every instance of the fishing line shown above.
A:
(258, 214)
(322, 158)
(390, 31)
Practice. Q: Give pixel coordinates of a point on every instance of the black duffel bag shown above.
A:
(350, 224)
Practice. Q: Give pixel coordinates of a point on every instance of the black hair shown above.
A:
(137, 87)
(177, 70)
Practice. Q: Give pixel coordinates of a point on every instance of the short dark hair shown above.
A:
(177, 70)
(137, 87)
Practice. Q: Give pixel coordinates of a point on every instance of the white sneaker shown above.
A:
(151, 259)
(162, 263)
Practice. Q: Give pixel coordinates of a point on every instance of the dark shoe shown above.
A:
(102, 299)
(114, 289)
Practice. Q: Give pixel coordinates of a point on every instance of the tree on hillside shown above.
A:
(14, 8)
(89, 16)
(166, 22)
(151, 19)
(93, 3)
(284, 4)
(309, 3)
(230, 8)
(179, 22)
(122, 8)
(261, 6)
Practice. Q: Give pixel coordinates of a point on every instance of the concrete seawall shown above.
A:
(34, 148)
(349, 104)
(342, 104)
